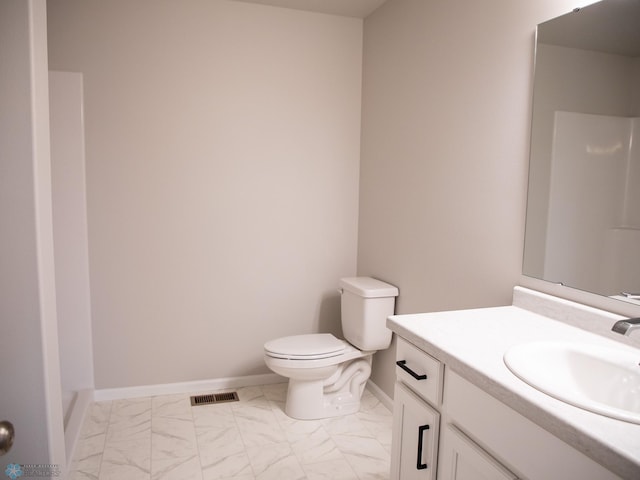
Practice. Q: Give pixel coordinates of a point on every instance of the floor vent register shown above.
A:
(211, 398)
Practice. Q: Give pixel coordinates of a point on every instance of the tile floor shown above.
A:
(164, 437)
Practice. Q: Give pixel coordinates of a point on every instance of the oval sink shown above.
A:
(603, 380)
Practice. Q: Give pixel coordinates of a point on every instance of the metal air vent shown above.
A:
(211, 398)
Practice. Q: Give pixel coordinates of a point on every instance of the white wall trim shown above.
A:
(380, 395)
(41, 164)
(73, 425)
(215, 384)
(186, 387)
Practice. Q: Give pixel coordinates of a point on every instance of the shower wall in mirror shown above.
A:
(583, 210)
(591, 216)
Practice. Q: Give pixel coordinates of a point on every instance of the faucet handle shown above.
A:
(625, 327)
(631, 296)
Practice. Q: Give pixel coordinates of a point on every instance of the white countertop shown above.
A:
(473, 342)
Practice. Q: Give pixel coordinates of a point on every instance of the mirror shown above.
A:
(583, 206)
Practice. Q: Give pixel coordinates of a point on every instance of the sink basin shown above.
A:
(603, 380)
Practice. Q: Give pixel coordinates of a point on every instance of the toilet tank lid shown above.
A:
(368, 287)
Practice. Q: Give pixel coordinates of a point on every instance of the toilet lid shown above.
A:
(305, 347)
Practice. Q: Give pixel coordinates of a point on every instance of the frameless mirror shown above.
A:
(583, 207)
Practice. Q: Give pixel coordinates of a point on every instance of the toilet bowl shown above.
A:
(327, 375)
(314, 389)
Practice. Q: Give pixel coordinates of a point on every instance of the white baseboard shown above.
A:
(73, 427)
(186, 387)
(380, 395)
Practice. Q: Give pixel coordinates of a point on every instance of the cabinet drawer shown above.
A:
(419, 371)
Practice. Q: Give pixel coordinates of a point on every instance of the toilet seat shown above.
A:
(315, 346)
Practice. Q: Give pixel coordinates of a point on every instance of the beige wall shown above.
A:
(222, 178)
(446, 115)
(223, 145)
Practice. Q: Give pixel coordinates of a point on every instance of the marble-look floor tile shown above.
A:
(346, 425)
(275, 392)
(379, 422)
(278, 411)
(213, 416)
(369, 401)
(173, 437)
(238, 477)
(78, 475)
(235, 466)
(88, 457)
(222, 452)
(168, 468)
(232, 468)
(97, 419)
(338, 469)
(292, 425)
(130, 410)
(165, 438)
(275, 462)
(137, 433)
(258, 426)
(312, 445)
(251, 396)
(172, 406)
(130, 420)
(126, 460)
(366, 456)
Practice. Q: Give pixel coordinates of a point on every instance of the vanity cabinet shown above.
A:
(463, 459)
(416, 429)
(416, 420)
(416, 436)
(470, 435)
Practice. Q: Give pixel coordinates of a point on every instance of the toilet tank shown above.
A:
(366, 303)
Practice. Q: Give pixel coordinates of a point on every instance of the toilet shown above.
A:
(327, 375)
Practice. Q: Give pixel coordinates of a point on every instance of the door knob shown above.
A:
(6, 436)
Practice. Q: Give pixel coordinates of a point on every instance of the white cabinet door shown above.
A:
(415, 437)
(463, 459)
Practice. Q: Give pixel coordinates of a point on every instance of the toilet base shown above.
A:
(333, 397)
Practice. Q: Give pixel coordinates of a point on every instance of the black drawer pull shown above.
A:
(421, 429)
(403, 365)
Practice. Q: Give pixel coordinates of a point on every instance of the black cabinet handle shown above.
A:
(403, 365)
(421, 429)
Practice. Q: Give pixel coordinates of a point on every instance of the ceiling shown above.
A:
(346, 8)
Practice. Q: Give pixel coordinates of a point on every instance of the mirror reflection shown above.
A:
(583, 210)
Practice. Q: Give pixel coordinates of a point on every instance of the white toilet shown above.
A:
(327, 375)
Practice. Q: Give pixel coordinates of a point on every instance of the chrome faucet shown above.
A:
(625, 327)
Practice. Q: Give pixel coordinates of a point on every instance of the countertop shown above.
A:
(472, 343)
